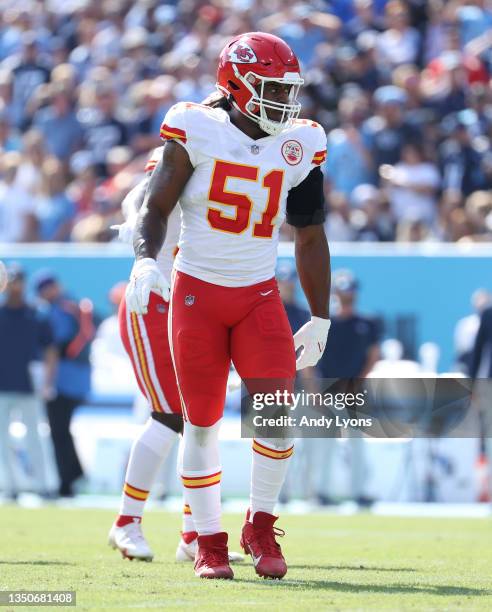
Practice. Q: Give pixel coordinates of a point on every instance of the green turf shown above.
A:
(335, 563)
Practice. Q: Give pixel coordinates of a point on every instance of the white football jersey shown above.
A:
(235, 201)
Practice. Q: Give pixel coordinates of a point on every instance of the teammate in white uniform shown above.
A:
(238, 171)
(146, 342)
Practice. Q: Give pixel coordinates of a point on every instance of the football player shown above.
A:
(145, 338)
(238, 171)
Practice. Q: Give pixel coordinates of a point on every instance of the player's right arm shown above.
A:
(166, 184)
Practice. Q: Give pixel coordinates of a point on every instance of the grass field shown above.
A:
(361, 562)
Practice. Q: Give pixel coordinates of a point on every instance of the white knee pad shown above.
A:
(200, 447)
(157, 437)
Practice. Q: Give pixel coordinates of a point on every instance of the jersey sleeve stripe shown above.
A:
(151, 164)
(319, 157)
(171, 133)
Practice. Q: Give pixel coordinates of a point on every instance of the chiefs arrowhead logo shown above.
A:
(242, 53)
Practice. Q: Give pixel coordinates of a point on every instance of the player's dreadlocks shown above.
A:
(217, 100)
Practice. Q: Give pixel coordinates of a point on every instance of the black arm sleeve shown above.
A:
(306, 202)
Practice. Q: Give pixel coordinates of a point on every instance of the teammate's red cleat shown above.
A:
(258, 540)
(212, 559)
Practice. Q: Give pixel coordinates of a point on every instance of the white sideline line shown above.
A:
(296, 508)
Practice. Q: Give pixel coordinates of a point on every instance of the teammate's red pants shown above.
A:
(146, 342)
(210, 325)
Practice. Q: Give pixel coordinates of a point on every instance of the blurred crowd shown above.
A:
(402, 88)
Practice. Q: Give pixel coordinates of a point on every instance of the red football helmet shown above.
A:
(248, 62)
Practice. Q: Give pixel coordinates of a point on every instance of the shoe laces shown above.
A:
(269, 545)
(216, 555)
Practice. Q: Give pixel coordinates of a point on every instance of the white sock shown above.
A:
(271, 458)
(187, 524)
(201, 475)
(148, 452)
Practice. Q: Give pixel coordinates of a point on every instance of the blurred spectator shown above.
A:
(413, 231)
(355, 64)
(349, 163)
(6, 94)
(303, 28)
(54, 209)
(82, 189)
(474, 19)
(447, 91)
(353, 342)
(337, 225)
(17, 209)
(466, 330)
(102, 129)
(412, 186)
(59, 124)
(438, 24)
(28, 72)
(371, 216)
(478, 209)
(26, 339)
(351, 352)
(363, 20)
(29, 174)
(9, 141)
(399, 43)
(388, 131)
(152, 100)
(74, 329)
(459, 160)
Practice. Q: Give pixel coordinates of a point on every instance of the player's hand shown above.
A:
(126, 230)
(312, 337)
(145, 277)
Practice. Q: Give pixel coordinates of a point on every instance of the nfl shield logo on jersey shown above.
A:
(292, 152)
(189, 300)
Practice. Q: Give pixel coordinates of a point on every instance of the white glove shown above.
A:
(145, 277)
(126, 230)
(312, 337)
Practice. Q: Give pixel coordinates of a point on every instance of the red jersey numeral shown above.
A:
(241, 202)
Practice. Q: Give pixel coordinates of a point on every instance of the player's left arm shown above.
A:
(313, 267)
(305, 211)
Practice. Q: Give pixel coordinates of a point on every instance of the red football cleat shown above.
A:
(212, 558)
(258, 540)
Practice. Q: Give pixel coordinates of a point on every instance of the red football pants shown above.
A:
(146, 342)
(210, 325)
